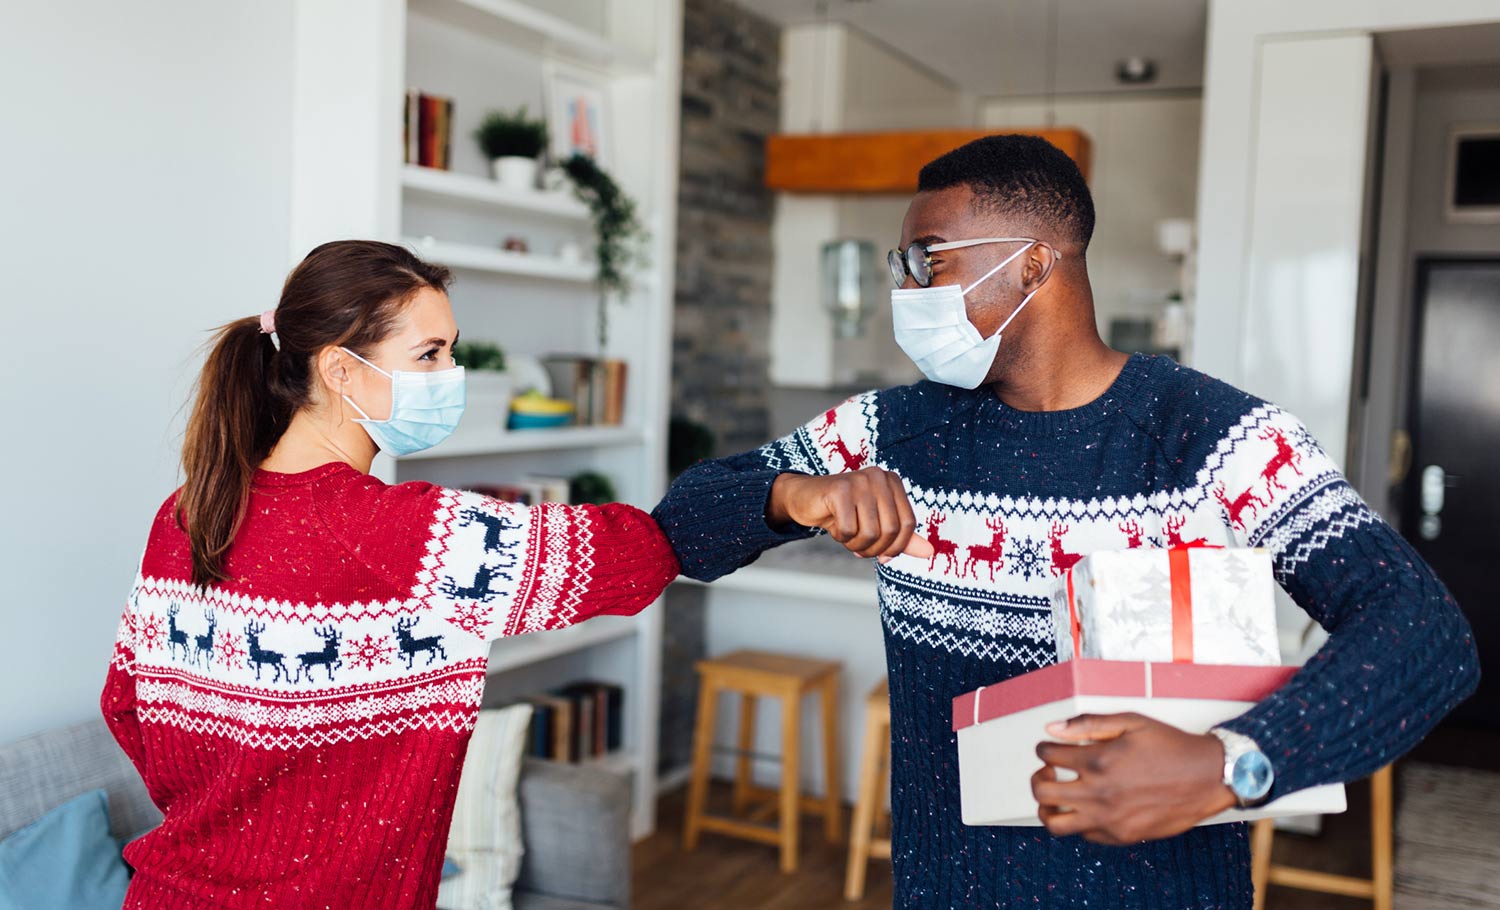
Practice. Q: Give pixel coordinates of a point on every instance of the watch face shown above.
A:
(1252, 776)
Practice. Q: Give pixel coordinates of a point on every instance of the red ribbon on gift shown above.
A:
(1181, 579)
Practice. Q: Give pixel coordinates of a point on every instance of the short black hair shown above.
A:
(1019, 175)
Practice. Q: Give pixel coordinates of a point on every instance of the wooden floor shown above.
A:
(728, 874)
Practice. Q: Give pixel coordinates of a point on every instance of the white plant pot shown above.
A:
(515, 173)
(487, 408)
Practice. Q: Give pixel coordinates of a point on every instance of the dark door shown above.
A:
(1451, 497)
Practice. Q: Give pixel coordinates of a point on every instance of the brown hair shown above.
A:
(348, 293)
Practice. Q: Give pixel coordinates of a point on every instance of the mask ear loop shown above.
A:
(367, 363)
(1003, 263)
(350, 401)
(1024, 300)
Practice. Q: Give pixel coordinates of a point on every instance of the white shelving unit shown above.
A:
(511, 653)
(499, 442)
(354, 61)
(446, 186)
(523, 25)
(502, 262)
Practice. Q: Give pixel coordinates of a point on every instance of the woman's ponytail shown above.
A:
(235, 421)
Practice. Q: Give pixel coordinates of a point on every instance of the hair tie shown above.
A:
(268, 322)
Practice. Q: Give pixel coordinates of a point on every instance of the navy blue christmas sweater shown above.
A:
(1008, 499)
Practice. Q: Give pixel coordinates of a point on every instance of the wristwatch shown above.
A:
(1247, 771)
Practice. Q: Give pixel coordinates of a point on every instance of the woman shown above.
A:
(301, 660)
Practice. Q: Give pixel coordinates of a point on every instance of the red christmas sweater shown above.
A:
(302, 725)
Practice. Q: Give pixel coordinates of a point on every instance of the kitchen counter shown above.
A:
(819, 568)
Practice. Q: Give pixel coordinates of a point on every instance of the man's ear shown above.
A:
(1039, 262)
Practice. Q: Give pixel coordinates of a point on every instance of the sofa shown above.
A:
(575, 820)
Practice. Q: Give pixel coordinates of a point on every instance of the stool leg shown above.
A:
(1262, 834)
(791, 796)
(703, 739)
(746, 743)
(883, 795)
(1382, 870)
(862, 827)
(833, 811)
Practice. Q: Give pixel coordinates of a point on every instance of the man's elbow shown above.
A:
(700, 570)
(1457, 655)
(1468, 669)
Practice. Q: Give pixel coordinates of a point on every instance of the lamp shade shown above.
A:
(850, 283)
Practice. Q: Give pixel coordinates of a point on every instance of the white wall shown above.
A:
(1296, 334)
(146, 153)
(1247, 197)
(835, 79)
(1145, 170)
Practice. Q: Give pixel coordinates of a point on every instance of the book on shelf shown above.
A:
(552, 727)
(428, 126)
(577, 722)
(533, 490)
(595, 386)
(553, 489)
(520, 492)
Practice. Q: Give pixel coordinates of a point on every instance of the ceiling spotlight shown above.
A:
(1136, 70)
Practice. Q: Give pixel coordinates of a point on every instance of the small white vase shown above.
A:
(487, 402)
(515, 173)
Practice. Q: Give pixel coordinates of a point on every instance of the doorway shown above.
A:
(1451, 497)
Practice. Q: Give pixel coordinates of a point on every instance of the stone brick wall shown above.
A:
(730, 104)
(722, 315)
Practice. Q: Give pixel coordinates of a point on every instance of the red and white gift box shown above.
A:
(1207, 605)
(1190, 634)
(1000, 726)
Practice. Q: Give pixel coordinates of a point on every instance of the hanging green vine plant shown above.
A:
(620, 241)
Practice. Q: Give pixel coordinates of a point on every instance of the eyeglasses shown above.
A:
(917, 260)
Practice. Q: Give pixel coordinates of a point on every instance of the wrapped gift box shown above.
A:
(1203, 605)
(999, 726)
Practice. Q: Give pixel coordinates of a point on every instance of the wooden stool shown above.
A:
(755, 674)
(874, 788)
(1378, 887)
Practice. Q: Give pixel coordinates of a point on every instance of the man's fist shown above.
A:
(866, 511)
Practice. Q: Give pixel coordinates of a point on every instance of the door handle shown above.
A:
(1435, 485)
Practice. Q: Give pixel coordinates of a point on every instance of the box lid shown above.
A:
(1220, 682)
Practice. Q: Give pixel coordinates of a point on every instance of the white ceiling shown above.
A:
(999, 47)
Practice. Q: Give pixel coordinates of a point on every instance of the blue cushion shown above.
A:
(450, 868)
(66, 858)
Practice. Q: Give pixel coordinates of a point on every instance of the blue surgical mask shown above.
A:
(425, 409)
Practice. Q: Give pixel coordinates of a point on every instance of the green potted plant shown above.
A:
(514, 142)
(619, 236)
(591, 488)
(487, 385)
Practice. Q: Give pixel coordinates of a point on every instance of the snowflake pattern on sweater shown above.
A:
(1009, 501)
(320, 701)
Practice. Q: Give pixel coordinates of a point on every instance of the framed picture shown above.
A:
(577, 113)
(1474, 175)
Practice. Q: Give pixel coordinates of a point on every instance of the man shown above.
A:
(1026, 450)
